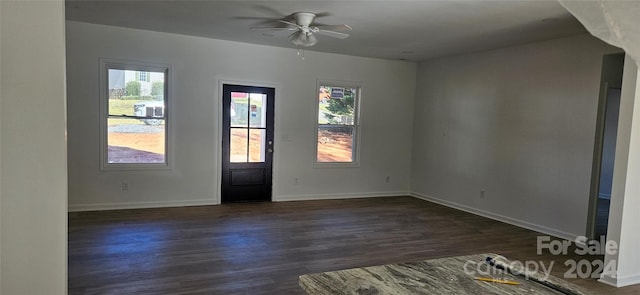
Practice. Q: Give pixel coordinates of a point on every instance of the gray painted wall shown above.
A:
(518, 123)
(198, 64)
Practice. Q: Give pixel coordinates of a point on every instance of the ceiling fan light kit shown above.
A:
(300, 38)
(305, 30)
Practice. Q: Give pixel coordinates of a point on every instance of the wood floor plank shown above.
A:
(262, 248)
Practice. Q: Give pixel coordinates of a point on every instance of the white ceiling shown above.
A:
(393, 29)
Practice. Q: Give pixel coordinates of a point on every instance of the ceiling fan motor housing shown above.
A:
(304, 19)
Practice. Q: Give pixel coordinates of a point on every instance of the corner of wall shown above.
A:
(496, 121)
(498, 217)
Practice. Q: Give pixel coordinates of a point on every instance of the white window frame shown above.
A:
(105, 65)
(355, 150)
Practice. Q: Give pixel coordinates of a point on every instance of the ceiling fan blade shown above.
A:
(255, 18)
(322, 14)
(274, 28)
(334, 27)
(332, 34)
(260, 21)
(289, 23)
(268, 10)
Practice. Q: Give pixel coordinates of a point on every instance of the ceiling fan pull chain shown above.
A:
(301, 54)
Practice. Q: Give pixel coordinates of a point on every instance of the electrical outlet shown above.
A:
(296, 181)
(125, 186)
(482, 194)
(388, 179)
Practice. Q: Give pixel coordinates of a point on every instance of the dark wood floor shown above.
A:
(262, 248)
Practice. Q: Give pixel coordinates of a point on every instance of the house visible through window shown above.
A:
(143, 76)
(135, 122)
(337, 124)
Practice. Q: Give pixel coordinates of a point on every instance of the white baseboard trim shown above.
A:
(287, 198)
(620, 282)
(140, 205)
(205, 202)
(608, 280)
(498, 217)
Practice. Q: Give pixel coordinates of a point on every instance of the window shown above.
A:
(337, 125)
(143, 76)
(134, 111)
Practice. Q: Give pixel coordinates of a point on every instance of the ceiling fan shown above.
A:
(304, 29)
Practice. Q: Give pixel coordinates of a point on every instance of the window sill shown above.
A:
(323, 165)
(135, 167)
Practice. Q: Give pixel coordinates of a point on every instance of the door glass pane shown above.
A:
(257, 145)
(132, 141)
(238, 146)
(335, 144)
(239, 112)
(258, 110)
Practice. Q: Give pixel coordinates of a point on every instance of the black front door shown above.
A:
(247, 144)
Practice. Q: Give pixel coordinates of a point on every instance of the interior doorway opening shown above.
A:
(605, 145)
